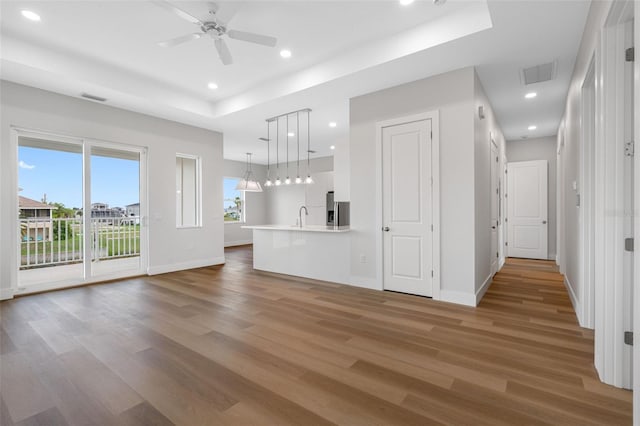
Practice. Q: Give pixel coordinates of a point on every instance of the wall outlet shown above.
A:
(363, 258)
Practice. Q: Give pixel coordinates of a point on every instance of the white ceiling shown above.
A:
(340, 49)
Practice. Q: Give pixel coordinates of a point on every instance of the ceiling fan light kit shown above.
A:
(214, 28)
(285, 117)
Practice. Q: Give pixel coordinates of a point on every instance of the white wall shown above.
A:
(256, 210)
(484, 130)
(169, 248)
(540, 149)
(452, 94)
(570, 131)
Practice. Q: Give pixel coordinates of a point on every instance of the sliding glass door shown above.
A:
(82, 207)
(115, 210)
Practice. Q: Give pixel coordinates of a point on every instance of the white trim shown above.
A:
(6, 293)
(237, 243)
(572, 296)
(610, 350)
(192, 264)
(458, 297)
(434, 117)
(636, 289)
(365, 282)
(586, 259)
(484, 287)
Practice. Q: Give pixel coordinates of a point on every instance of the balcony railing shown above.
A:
(52, 242)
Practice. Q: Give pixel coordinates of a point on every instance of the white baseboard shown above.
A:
(192, 264)
(483, 289)
(459, 297)
(6, 293)
(365, 282)
(574, 300)
(237, 243)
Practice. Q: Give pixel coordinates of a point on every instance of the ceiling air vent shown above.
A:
(93, 97)
(538, 73)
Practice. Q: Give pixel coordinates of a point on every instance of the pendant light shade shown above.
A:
(249, 183)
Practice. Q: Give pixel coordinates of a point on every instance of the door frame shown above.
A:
(511, 197)
(587, 191)
(609, 347)
(636, 287)
(434, 116)
(86, 143)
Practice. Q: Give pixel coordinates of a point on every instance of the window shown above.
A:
(188, 212)
(234, 208)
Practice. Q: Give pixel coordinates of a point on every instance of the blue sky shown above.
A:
(59, 174)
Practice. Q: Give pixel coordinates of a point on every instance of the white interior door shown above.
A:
(407, 207)
(527, 209)
(494, 255)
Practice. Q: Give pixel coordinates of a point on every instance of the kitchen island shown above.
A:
(317, 252)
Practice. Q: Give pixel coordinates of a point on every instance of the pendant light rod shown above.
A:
(288, 113)
(298, 138)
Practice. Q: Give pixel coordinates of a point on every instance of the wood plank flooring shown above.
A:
(229, 345)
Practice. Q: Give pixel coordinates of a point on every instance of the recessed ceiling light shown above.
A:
(285, 53)
(406, 2)
(30, 15)
(333, 124)
(212, 86)
(531, 95)
(291, 134)
(532, 127)
(332, 147)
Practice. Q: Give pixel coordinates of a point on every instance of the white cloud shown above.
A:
(24, 165)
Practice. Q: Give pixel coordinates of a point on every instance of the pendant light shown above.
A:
(287, 181)
(248, 182)
(278, 182)
(268, 181)
(308, 180)
(298, 179)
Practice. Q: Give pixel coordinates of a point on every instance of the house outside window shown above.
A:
(234, 201)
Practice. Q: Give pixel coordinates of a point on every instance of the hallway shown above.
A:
(229, 345)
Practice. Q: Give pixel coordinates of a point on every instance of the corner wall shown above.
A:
(169, 248)
(569, 141)
(452, 95)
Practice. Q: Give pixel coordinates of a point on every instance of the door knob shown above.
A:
(544, 222)
(385, 229)
(493, 227)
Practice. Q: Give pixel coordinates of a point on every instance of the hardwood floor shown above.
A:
(229, 345)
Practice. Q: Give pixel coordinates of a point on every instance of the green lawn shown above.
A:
(115, 246)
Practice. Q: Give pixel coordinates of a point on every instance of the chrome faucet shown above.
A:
(306, 213)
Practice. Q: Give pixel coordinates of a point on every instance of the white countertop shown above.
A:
(306, 228)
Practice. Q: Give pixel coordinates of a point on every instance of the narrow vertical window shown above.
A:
(188, 212)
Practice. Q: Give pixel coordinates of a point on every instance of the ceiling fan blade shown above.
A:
(176, 10)
(179, 40)
(223, 52)
(253, 38)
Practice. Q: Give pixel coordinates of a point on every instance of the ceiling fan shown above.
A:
(214, 28)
